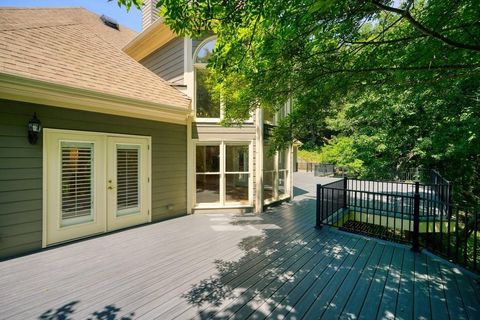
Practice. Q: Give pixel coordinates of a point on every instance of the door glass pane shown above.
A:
(268, 185)
(208, 188)
(236, 187)
(282, 159)
(77, 182)
(236, 158)
(282, 182)
(208, 158)
(128, 179)
(207, 103)
(268, 159)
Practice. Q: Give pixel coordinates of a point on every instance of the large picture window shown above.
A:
(207, 103)
(223, 174)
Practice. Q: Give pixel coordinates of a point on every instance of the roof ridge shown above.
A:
(40, 26)
(38, 8)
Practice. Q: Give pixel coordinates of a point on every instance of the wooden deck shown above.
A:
(273, 266)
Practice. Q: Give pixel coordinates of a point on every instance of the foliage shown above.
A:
(387, 84)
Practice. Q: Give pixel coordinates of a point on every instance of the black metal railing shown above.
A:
(416, 213)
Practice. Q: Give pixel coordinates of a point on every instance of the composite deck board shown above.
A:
(372, 302)
(406, 297)
(309, 297)
(267, 283)
(359, 293)
(161, 299)
(422, 307)
(246, 271)
(239, 277)
(271, 266)
(277, 308)
(437, 292)
(338, 302)
(263, 304)
(340, 279)
(390, 292)
(456, 307)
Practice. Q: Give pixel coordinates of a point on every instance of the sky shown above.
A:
(131, 19)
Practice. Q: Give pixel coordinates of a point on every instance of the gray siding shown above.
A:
(149, 13)
(21, 167)
(204, 131)
(167, 62)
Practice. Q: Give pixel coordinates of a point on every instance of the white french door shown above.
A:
(94, 183)
(127, 182)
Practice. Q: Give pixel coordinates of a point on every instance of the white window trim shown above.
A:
(288, 185)
(196, 66)
(222, 203)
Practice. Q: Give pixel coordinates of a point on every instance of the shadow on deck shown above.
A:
(274, 265)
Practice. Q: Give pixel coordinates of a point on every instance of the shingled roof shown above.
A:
(74, 48)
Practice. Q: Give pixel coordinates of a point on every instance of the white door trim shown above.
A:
(49, 192)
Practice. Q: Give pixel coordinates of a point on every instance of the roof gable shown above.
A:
(73, 47)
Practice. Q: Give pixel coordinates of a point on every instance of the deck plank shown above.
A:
(344, 278)
(390, 292)
(406, 297)
(422, 307)
(374, 295)
(271, 266)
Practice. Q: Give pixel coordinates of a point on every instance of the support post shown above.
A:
(416, 219)
(449, 204)
(318, 223)
(345, 187)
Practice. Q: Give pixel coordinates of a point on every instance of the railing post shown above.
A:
(449, 204)
(416, 218)
(318, 223)
(345, 187)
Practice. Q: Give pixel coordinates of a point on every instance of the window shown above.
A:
(223, 174)
(77, 182)
(268, 174)
(275, 175)
(236, 173)
(208, 174)
(207, 104)
(128, 179)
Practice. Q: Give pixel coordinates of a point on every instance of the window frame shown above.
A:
(196, 66)
(277, 196)
(223, 203)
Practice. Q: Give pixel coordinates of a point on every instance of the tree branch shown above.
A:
(431, 33)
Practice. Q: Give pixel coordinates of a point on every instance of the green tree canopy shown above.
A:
(391, 83)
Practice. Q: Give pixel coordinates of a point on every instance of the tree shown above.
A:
(400, 79)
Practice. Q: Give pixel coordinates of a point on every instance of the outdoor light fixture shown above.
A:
(34, 129)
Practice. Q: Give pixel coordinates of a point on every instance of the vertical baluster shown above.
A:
(318, 223)
(475, 230)
(465, 242)
(456, 234)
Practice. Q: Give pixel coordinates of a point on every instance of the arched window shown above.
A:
(207, 104)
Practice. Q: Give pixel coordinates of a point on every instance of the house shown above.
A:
(103, 129)
(232, 166)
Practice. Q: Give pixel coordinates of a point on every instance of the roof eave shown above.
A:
(18, 88)
(151, 39)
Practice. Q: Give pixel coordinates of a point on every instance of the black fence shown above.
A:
(416, 213)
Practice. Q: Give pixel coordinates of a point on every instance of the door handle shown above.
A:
(110, 187)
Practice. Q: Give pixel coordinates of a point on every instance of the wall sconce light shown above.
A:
(34, 129)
